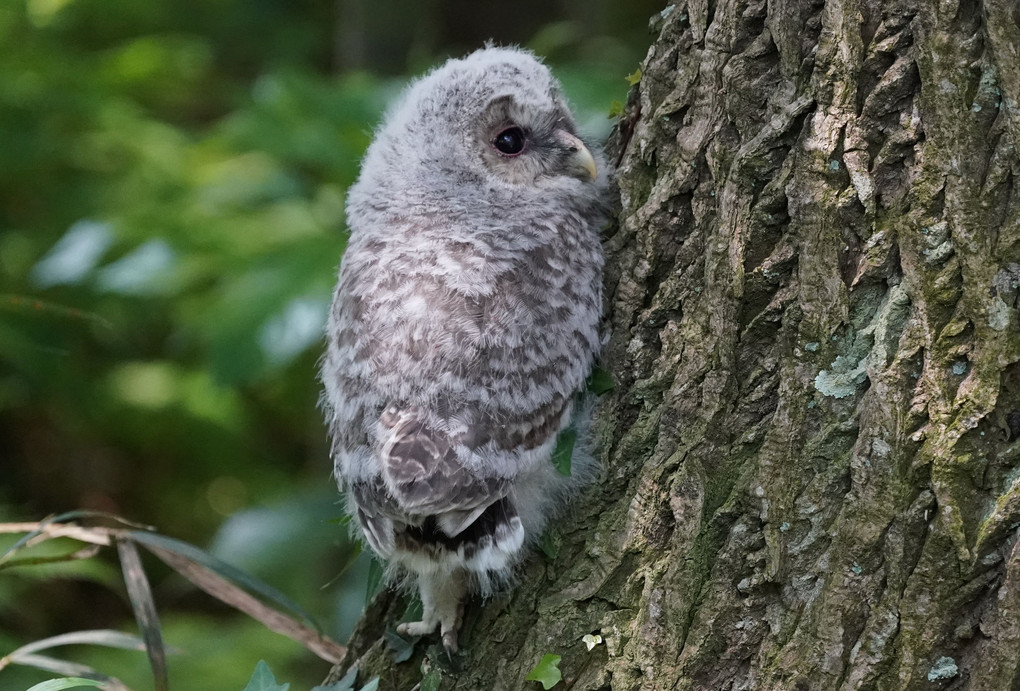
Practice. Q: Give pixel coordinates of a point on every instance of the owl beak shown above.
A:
(580, 162)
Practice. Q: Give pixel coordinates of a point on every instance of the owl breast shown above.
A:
(472, 322)
(490, 330)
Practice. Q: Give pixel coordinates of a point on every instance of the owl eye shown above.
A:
(510, 141)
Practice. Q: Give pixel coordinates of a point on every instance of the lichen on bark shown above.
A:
(811, 458)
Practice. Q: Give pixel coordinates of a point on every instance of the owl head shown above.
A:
(497, 116)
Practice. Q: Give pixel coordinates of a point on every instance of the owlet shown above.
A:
(465, 319)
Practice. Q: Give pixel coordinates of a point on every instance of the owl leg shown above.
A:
(442, 605)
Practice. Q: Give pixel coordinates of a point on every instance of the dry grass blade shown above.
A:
(65, 683)
(58, 526)
(55, 526)
(72, 669)
(107, 637)
(224, 590)
(79, 514)
(145, 610)
(233, 574)
(23, 303)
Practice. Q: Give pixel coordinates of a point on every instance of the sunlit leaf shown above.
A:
(431, 681)
(546, 672)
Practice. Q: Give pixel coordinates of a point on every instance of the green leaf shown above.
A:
(344, 684)
(615, 109)
(263, 680)
(430, 682)
(564, 450)
(600, 381)
(634, 77)
(66, 683)
(549, 545)
(49, 559)
(546, 672)
(414, 609)
(375, 574)
(401, 649)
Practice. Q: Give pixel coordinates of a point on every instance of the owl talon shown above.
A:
(416, 628)
(450, 642)
(450, 637)
(442, 607)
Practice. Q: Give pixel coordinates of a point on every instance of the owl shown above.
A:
(464, 322)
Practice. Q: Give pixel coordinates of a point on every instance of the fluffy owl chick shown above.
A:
(464, 321)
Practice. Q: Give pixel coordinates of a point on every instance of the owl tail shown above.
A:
(487, 547)
(453, 514)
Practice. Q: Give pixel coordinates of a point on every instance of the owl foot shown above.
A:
(442, 606)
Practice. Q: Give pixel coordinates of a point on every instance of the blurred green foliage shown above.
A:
(172, 185)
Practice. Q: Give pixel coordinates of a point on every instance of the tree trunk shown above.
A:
(811, 473)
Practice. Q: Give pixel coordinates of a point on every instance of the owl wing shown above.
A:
(425, 477)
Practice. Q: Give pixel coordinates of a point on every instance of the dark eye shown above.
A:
(510, 141)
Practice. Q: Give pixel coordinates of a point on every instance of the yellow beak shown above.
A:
(580, 161)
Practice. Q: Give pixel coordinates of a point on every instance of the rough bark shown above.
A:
(811, 467)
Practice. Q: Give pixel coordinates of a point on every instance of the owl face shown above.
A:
(522, 143)
(496, 116)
